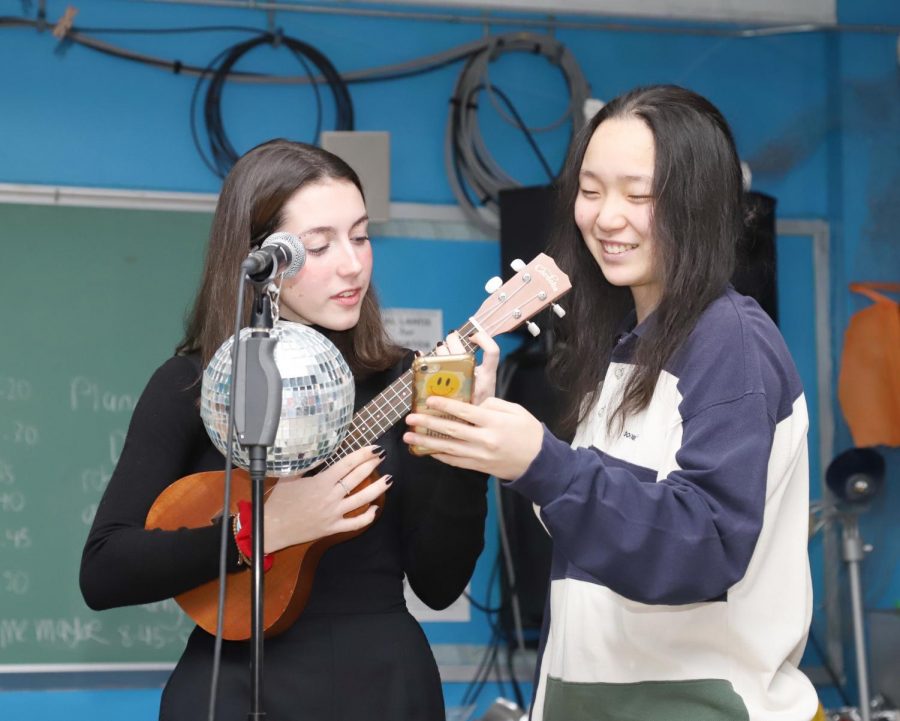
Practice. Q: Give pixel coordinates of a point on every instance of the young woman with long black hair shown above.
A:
(680, 583)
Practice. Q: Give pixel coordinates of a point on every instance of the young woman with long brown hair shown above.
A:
(355, 652)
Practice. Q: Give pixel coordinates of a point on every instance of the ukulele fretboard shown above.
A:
(378, 415)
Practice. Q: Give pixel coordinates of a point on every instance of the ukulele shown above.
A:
(196, 500)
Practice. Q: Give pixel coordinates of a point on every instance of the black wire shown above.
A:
(490, 657)
(225, 531)
(483, 672)
(490, 650)
(10, 21)
(835, 681)
(169, 31)
(483, 609)
(486, 607)
(498, 675)
(529, 136)
(76, 31)
(466, 700)
(491, 663)
(508, 591)
(460, 167)
(511, 669)
(316, 93)
(468, 182)
(470, 105)
(194, 95)
(222, 152)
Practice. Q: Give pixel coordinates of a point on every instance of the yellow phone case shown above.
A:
(449, 376)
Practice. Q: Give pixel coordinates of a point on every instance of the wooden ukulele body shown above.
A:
(197, 500)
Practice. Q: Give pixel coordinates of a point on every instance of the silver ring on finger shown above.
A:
(341, 484)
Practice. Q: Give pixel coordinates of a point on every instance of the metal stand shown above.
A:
(854, 552)
(257, 412)
(855, 477)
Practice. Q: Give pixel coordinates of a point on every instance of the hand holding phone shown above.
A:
(449, 376)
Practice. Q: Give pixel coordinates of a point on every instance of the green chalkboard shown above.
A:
(91, 301)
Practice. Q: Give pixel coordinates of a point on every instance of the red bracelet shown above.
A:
(243, 535)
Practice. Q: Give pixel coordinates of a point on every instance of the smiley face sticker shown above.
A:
(444, 383)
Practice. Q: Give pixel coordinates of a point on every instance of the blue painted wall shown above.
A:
(816, 115)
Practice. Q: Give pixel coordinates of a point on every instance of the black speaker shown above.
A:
(755, 269)
(856, 475)
(523, 380)
(526, 219)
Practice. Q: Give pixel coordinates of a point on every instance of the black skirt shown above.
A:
(327, 667)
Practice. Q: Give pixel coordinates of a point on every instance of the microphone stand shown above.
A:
(257, 412)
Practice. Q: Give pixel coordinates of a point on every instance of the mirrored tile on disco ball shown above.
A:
(317, 394)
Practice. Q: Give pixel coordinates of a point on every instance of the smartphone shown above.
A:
(449, 376)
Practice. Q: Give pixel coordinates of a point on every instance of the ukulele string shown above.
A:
(383, 411)
(512, 314)
(506, 299)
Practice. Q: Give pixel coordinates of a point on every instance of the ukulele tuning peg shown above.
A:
(533, 329)
(558, 309)
(517, 264)
(493, 284)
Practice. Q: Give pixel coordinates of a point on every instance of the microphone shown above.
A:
(280, 252)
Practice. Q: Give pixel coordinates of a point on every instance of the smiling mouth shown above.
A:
(611, 248)
(346, 293)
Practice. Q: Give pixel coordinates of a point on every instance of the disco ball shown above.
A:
(317, 393)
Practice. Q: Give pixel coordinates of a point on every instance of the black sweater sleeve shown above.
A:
(443, 519)
(123, 563)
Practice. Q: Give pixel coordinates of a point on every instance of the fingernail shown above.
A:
(387, 480)
(378, 451)
(440, 343)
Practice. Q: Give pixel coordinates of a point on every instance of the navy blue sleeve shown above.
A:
(685, 539)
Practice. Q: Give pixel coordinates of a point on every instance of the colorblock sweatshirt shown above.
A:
(680, 584)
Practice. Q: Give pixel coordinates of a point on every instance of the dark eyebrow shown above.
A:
(627, 178)
(330, 228)
(322, 229)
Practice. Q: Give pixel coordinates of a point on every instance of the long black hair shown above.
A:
(696, 224)
(250, 208)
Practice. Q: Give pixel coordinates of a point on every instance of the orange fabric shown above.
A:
(869, 381)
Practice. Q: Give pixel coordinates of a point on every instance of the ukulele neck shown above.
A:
(387, 408)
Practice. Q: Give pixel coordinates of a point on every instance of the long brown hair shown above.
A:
(696, 223)
(250, 208)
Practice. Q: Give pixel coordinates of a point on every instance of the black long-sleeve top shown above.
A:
(431, 530)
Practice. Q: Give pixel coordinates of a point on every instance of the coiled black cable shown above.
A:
(222, 154)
